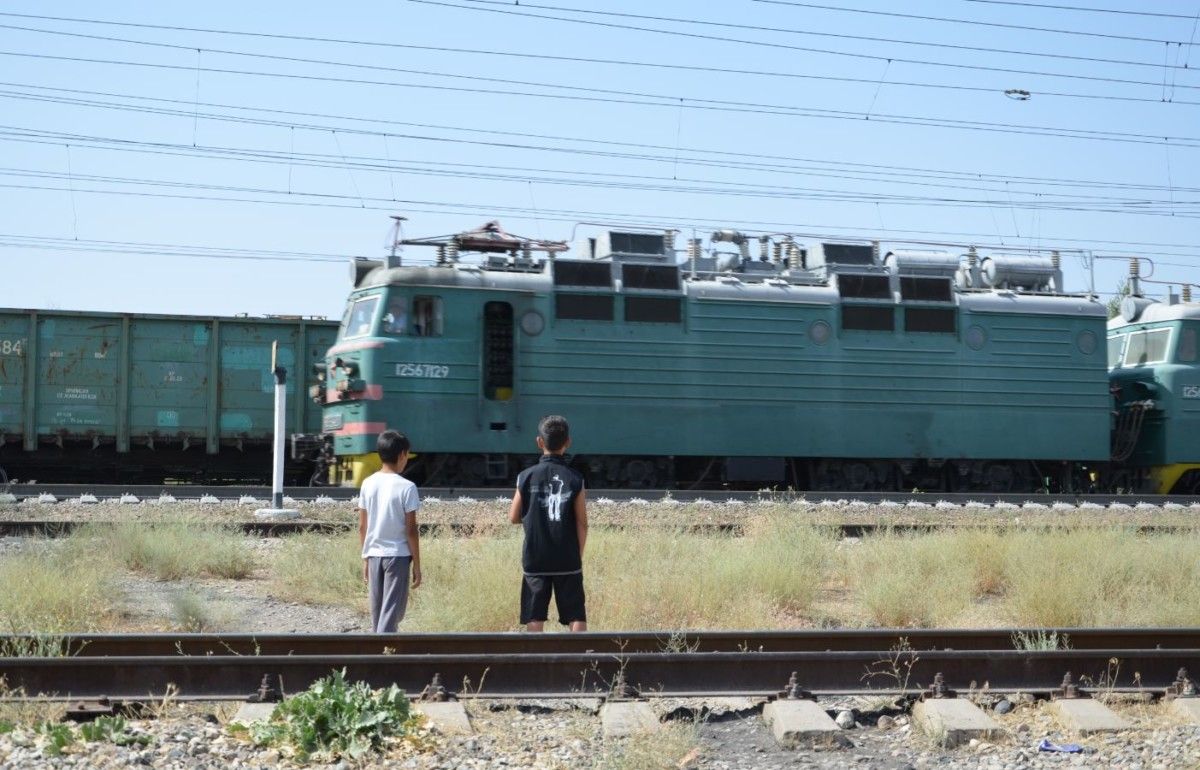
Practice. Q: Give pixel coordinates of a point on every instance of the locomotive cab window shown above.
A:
(427, 318)
(1148, 347)
(395, 319)
(361, 318)
(1186, 353)
(1116, 348)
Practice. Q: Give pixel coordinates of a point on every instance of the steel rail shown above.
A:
(592, 674)
(601, 642)
(338, 494)
(51, 528)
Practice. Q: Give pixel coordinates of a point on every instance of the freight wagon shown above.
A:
(128, 397)
(810, 364)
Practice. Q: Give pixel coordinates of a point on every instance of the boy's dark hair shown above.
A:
(391, 444)
(554, 432)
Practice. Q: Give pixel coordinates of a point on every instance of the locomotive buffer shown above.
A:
(277, 511)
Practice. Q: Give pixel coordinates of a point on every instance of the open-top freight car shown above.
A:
(811, 364)
(129, 397)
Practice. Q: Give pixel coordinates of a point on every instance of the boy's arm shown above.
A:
(362, 536)
(414, 545)
(514, 510)
(581, 524)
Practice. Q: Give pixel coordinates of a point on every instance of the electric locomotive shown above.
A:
(760, 361)
(1155, 375)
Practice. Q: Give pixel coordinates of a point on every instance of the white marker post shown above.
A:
(277, 511)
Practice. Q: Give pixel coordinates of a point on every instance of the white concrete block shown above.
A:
(277, 513)
(1084, 716)
(623, 718)
(1187, 709)
(953, 721)
(249, 713)
(448, 718)
(799, 722)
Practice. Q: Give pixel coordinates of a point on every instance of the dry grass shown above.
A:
(171, 551)
(781, 573)
(320, 569)
(784, 573)
(47, 590)
(673, 746)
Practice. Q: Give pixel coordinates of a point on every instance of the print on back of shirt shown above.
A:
(553, 497)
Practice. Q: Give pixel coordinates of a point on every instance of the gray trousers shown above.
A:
(387, 590)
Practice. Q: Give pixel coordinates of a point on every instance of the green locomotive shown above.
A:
(760, 361)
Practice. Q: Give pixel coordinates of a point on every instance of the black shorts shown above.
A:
(568, 597)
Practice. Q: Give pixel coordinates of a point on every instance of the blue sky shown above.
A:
(751, 119)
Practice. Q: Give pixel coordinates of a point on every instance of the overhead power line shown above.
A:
(507, 10)
(163, 249)
(973, 22)
(1084, 9)
(574, 216)
(1156, 65)
(740, 161)
(673, 102)
(593, 60)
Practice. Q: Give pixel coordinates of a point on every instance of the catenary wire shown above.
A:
(638, 181)
(755, 28)
(614, 62)
(1049, 6)
(970, 22)
(778, 162)
(761, 43)
(674, 103)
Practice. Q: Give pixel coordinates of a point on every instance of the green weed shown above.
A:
(334, 717)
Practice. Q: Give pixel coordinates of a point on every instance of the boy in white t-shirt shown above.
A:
(387, 531)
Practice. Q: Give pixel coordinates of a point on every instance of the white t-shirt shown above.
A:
(387, 497)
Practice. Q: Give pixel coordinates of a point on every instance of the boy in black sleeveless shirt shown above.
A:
(549, 502)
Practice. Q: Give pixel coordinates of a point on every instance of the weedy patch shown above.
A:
(54, 738)
(1041, 640)
(335, 717)
(34, 646)
(113, 730)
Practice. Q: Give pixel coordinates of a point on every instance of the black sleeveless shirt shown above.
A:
(548, 492)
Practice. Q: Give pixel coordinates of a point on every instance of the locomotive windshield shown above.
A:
(1148, 347)
(360, 321)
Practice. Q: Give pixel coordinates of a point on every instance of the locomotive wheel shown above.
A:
(999, 477)
(641, 474)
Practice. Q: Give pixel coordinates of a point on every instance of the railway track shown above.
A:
(51, 493)
(225, 667)
(51, 528)
(480, 643)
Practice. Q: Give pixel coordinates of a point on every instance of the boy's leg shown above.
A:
(394, 593)
(571, 601)
(535, 601)
(374, 590)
